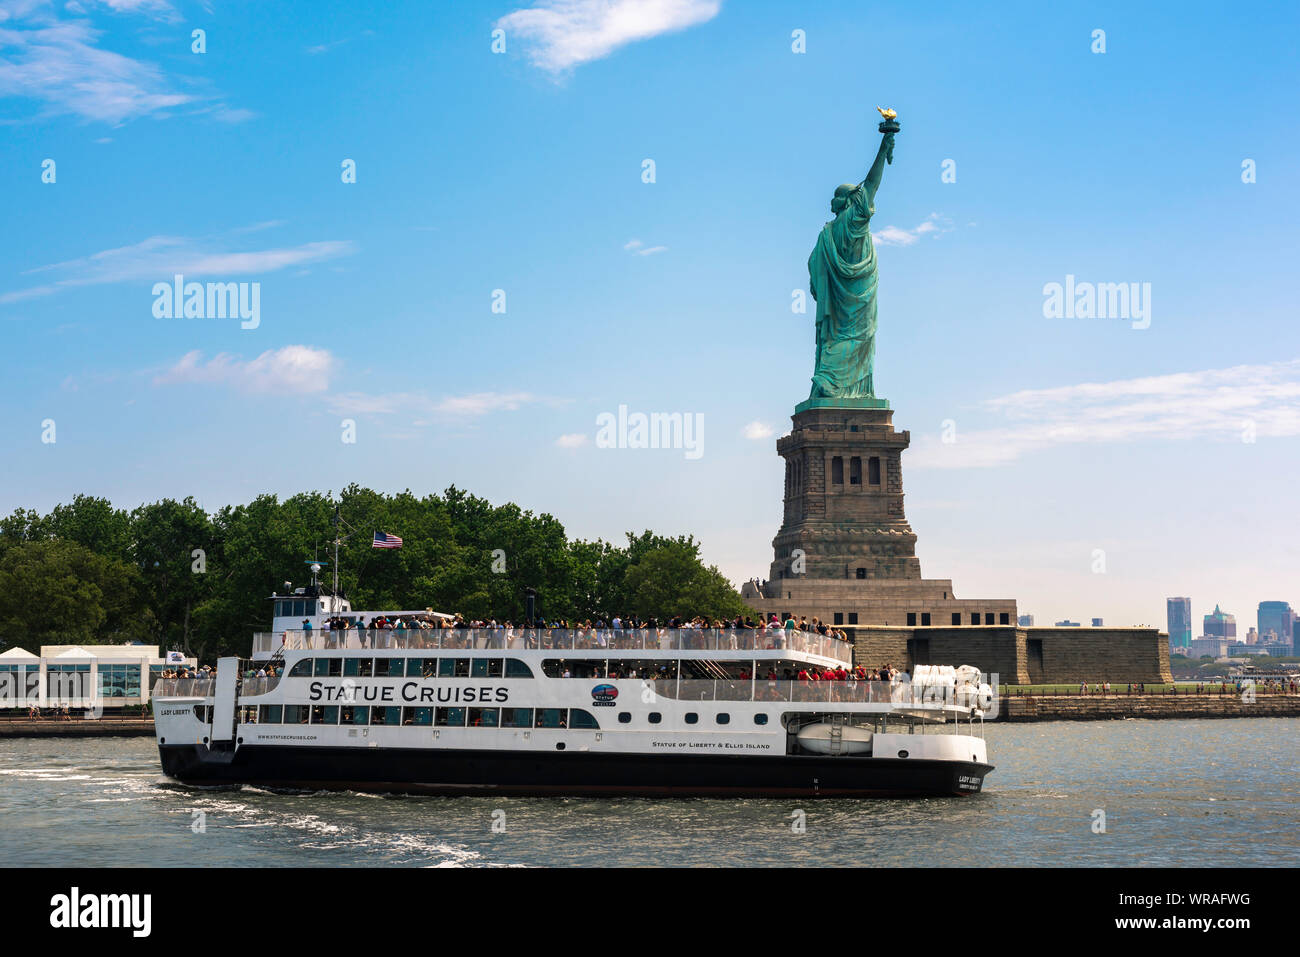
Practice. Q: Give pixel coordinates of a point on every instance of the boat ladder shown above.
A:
(837, 734)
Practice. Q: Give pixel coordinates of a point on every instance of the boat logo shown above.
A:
(604, 695)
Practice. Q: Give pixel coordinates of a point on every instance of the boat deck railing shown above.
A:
(250, 687)
(557, 639)
(899, 694)
(183, 687)
(896, 694)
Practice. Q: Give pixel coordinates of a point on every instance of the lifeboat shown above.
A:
(824, 738)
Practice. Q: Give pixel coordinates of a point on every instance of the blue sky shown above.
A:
(1171, 448)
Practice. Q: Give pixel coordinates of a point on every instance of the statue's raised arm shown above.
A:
(888, 127)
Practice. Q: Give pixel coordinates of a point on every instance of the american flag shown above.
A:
(384, 540)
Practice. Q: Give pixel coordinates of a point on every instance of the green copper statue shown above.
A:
(842, 273)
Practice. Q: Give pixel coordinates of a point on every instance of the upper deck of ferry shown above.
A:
(720, 643)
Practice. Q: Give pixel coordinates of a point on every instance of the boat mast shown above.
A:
(336, 558)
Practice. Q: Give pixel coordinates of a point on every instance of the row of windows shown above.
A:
(722, 717)
(855, 470)
(410, 668)
(295, 607)
(649, 668)
(376, 716)
(1004, 618)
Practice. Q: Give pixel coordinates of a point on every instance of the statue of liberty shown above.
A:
(842, 275)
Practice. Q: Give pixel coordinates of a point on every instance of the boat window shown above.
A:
(385, 716)
(390, 667)
(760, 719)
(419, 717)
(325, 714)
(301, 668)
(451, 717)
(354, 714)
(692, 717)
(517, 669)
(647, 668)
(248, 714)
(358, 667)
(329, 667)
(516, 717)
(453, 667)
(270, 714)
(551, 718)
(585, 668)
(421, 667)
(625, 717)
(295, 714)
(484, 717)
(486, 668)
(724, 718)
(582, 719)
(655, 717)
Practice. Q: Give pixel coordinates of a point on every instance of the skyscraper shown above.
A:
(1277, 617)
(1179, 615)
(1219, 624)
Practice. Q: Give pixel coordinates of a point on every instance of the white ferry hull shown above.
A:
(579, 773)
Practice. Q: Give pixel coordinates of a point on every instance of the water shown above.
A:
(1181, 793)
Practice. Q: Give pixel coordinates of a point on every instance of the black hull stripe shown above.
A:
(464, 772)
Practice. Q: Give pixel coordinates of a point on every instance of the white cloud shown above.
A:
(573, 440)
(59, 63)
(561, 34)
(480, 403)
(757, 430)
(894, 236)
(291, 369)
(158, 258)
(161, 9)
(641, 249)
(1224, 404)
(472, 405)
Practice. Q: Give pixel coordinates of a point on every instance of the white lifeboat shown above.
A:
(824, 738)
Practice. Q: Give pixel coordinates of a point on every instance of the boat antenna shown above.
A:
(336, 553)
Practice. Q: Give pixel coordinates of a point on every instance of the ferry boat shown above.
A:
(441, 708)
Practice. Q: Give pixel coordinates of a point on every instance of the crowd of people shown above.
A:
(184, 671)
(428, 630)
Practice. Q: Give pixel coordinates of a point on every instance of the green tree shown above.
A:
(62, 593)
(669, 580)
(173, 544)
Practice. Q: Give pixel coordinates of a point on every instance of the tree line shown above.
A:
(172, 574)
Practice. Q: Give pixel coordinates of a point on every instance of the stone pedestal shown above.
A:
(844, 498)
(845, 552)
